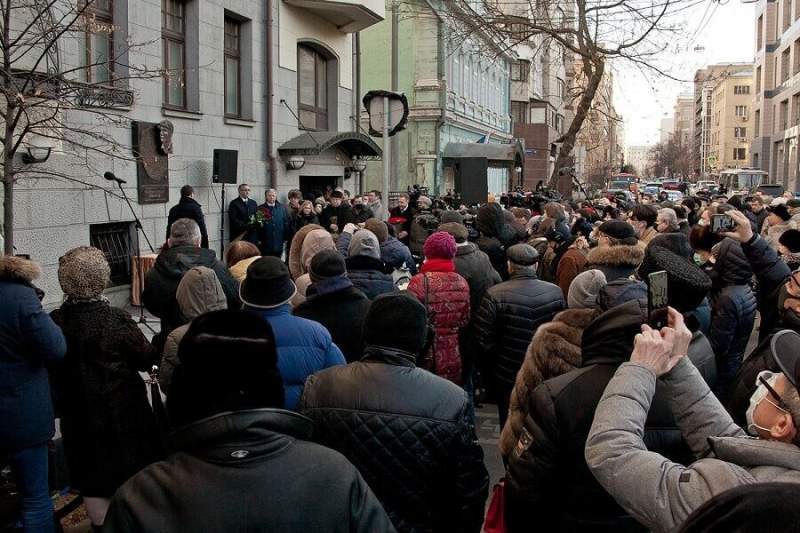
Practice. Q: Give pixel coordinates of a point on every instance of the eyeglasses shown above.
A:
(781, 404)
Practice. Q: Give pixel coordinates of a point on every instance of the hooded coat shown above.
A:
(364, 266)
(161, 282)
(341, 308)
(107, 424)
(394, 253)
(659, 492)
(548, 479)
(409, 434)
(554, 350)
(198, 292)
(620, 261)
(205, 487)
(733, 312)
(490, 223)
(313, 241)
(28, 340)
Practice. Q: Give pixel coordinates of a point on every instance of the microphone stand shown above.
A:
(139, 270)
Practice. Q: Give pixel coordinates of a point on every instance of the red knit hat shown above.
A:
(440, 245)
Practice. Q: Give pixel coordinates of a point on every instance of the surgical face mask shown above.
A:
(760, 394)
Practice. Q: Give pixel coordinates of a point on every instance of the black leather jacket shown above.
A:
(249, 470)
(407, 432)
(549, 483)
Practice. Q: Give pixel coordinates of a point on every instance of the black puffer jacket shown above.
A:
(548, 481)
(161, 283)
(474, 266)
(771, 273)
(507, 320)
(407, 432)
(247, 471)
(367, 275)
(733, 312)
(341, 308)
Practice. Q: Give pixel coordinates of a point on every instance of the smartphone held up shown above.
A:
(657, 300)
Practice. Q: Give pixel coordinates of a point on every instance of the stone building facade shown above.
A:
(270, 80)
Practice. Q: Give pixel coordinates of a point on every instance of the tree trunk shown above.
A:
(8, 211)
(593, 68)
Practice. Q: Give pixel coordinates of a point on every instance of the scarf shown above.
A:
(438, 265)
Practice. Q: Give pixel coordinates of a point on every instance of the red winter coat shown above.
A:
(448, 303)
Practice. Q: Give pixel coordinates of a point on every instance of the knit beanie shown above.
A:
(584, 289)
(327, 264)
(83, 273)
(378, 227)
(451, 216)
(791, 240)
(440, 245)
(687, 284)
(396, 320)
(458, 231)
(364, 243)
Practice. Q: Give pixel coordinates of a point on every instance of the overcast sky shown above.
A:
(724, 33)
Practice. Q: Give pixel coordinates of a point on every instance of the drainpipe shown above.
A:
(357, 95)
(273, 167)
(391, 142)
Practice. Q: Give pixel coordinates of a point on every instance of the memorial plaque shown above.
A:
(152, 144)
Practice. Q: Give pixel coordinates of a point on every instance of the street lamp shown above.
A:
(295, 162)
(36, 154)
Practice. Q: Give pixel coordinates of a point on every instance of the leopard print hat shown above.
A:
(83, 273)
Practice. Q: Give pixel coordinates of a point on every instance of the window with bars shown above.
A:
(312, 85)
(233, 76)
(173, 40)
(98, 41)
(114, 240)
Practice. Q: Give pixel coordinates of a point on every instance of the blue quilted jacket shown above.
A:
(304, 347)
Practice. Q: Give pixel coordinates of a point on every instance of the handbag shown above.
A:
(495, 521)
(428, 361)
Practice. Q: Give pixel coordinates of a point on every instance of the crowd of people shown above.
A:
(323, 374)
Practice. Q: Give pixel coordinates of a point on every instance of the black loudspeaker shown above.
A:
(471, 180)
(226, 163)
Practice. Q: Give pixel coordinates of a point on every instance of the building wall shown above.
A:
(778, 63)
(725, 121)
(456, 89)
(53, 216)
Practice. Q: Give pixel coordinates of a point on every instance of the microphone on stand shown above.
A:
(111, 177)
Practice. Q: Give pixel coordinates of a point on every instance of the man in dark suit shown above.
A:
(239, 212)
(188, 207)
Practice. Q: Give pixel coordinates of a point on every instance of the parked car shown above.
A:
(670, 185)
(674, 196)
